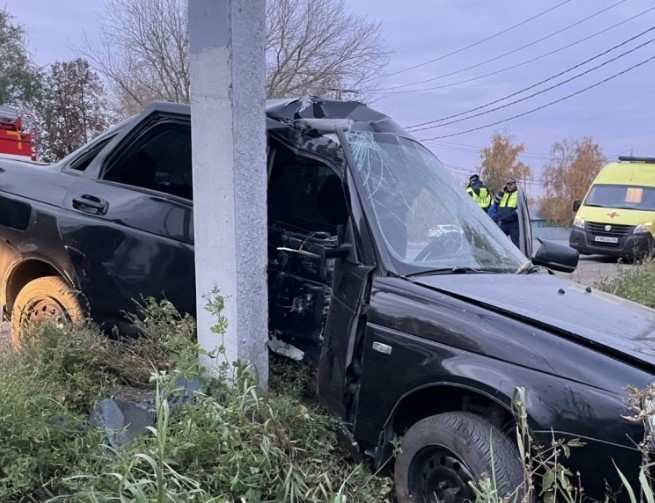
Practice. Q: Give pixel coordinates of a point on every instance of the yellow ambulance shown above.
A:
(617, 216)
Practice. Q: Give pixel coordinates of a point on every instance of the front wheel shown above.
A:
(442, 455)
(44, 299)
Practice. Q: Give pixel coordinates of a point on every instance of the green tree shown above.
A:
(71, 110)
(19, 77)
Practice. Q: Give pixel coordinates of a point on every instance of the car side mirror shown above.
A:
(556, 256)
(576, 205)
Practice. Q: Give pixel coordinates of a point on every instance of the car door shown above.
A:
(345, 322)
(128, 220)
(525, 224)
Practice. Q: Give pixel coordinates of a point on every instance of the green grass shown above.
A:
(231, 443)
(633, 282)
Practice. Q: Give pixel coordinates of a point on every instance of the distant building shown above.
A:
(14, 142)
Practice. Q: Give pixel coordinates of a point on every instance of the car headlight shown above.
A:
(578, 222)
(643, 228)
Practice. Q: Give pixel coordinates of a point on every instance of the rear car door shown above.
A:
(128, 224)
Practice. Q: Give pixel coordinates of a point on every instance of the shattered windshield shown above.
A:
(425, 221)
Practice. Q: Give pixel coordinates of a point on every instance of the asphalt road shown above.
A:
(593, 268)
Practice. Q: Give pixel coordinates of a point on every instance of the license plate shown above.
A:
(606, 239)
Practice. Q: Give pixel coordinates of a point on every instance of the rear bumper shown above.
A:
(629, 246)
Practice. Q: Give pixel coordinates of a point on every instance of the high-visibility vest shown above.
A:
(509, 200)
(483, 199)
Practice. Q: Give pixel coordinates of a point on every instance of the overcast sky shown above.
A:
(618, 115)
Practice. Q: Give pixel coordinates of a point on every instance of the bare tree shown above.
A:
(144, 52)
(312, 47)
(318, 47)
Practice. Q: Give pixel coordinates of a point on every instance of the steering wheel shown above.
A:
(445, 244)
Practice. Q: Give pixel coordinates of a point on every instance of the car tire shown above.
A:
(49, 297)
(440, 454)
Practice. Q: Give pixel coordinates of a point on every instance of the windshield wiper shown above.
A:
(451, 270)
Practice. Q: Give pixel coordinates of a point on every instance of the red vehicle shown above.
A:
(14, 143)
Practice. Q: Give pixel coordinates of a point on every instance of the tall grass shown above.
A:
(229, 443)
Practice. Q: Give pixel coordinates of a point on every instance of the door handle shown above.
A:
(90, 204)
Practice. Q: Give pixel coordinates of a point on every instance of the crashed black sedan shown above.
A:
(420, 315)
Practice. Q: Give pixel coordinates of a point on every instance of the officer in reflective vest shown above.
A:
(506, 214)
(480, 194)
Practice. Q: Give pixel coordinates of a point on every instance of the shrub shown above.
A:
(634, 283)
(229, 443)
(43, 434)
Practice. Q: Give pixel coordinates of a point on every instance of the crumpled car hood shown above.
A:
(598, 319)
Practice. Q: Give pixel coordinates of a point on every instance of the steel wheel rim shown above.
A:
(437, 475)
(42, 310)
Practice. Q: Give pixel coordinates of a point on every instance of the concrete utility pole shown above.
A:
(229, 173)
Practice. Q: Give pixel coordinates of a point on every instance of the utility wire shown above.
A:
(444, 121)
(545, 105)
(461, 169)
(477, 149)
(522, 63)
(507, 53)
(479, 42)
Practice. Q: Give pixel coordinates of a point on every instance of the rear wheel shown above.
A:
(44, 299)
(441, 455)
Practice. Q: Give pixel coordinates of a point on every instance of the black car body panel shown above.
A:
(587, 315)
(391, 348)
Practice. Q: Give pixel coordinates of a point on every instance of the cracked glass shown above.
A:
(425, 221)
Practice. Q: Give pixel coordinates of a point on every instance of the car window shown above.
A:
(160, 160)
(306, 194)
(83, 161)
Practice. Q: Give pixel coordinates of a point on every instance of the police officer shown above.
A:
(506, 212)
(480, 194)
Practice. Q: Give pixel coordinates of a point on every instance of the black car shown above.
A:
(419, 313)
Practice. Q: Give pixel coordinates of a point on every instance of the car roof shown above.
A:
(628, 173)
(281, 112)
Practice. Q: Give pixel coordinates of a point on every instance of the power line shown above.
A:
(440, 122)
(524, 62)
(545, 105)
(472, 148)
(479, 42)
(507, 53)
(543, 156)
(462, 170)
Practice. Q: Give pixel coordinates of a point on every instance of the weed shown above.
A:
(634, 282)
(229, 443)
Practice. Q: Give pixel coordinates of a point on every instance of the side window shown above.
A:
(160, 160)
(83, 161)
